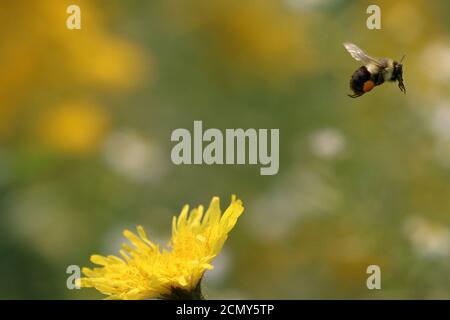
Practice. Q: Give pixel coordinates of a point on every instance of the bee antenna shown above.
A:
(401, 60)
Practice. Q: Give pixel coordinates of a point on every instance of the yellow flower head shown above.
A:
(146, 272)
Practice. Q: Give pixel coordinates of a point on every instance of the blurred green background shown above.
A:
(86, 118)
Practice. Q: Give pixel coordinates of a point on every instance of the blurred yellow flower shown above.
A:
(262, 37)
(90, 56)
(75, 128)
(146, 272)
(114, 63)
(39, 54)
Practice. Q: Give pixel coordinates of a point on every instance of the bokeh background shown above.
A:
(86, 118)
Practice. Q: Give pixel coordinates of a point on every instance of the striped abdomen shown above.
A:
(363, 81)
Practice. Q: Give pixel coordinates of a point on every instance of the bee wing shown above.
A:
(359, 55)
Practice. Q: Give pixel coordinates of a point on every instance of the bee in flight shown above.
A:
(373, 72)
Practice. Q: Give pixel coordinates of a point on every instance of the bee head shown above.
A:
(398, 71)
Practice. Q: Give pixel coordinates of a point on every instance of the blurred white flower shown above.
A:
(436, 54)
(297, 195)
(132, 156)
(430, 240)
(440, 121)
(327, 143)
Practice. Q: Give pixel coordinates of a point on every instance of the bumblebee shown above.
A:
(374, 72)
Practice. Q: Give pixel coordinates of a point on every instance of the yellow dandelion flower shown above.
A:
(145, 272)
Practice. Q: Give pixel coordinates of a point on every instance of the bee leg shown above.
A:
(356, 95)
(402, 87)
